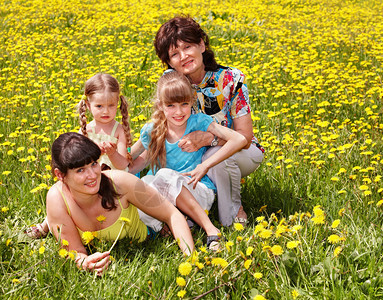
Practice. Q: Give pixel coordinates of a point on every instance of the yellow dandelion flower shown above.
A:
(296, 228)
(266, 233)
(258, 275)
(260, 219)
(258, 228)
(4, 209)
(341, 212)
(6, 173)
(239, 238)
(295, 294)
(292, 244)
(276, 250)
(318, 219)
(259, 297)
(318, 211)
(181, 281)
(101, 218)
(87, 237)
(203, 249)
(228, 245)
(238, 226)
(199, 265)
(363, 187)
(263, 208)
(334, 178)
(72, 254)
(249, 250)
(41, 249)
(367, 193)
(337, 251)
(335, 224)
(181, 293)
(65, 242)
(185, 268)
(15, 281)
(333, 239)
(219, 262)
(126, 220)
(247, 263)
(63, 253)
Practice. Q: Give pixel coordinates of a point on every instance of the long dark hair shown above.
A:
(73, 150)
(187, 30)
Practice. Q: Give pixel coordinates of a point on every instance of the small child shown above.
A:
(101, 97)
(159, 142)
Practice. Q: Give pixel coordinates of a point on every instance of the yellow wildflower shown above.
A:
(248, 263)
(126, 220)
(335, 224)
(292, 244)
(4, 209)
(185, 268)
(333, 239)
(41, 249)
(228, 245)
(337, 251)
(181, 293)
(259, 297)
(199, 265)
(265, 234)
(15, 281)
(65, 242)
(341, 212)
(295, 294)
(258, 275)
(87, 237)
(101, 218)
(63, 253)
(238, 226)
(181, 281)
(276, 250)
(379, 203)
(249, 250)
(219, 262)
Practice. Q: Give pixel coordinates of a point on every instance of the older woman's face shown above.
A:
(84, 180)
(187, 59)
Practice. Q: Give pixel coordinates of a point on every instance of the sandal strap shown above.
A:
(212, 238)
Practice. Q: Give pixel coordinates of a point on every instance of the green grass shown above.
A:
(314, 71)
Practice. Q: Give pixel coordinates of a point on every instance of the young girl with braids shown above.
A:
(181, 176)
(101, 97)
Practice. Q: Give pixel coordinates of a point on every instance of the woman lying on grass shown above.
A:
(84, 193)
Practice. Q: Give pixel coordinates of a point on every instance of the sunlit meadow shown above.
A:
(314, 70)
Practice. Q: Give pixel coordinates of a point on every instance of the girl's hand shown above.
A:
(97, 262)
(109, 148)
(197, 174)
(195, 140)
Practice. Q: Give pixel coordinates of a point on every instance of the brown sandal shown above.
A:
(165, 231)
(36, 232)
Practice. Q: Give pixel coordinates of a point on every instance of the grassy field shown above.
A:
(314, 70)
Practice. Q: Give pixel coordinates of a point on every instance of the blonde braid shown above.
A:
(82, 115)
(157, 148)
(125, 124)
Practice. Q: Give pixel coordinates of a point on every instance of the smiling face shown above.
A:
(187, 59)
(177, 114)
(83, 180)
(103, 106)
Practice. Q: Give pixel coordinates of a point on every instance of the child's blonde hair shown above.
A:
(172, 87)
(102, 83)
